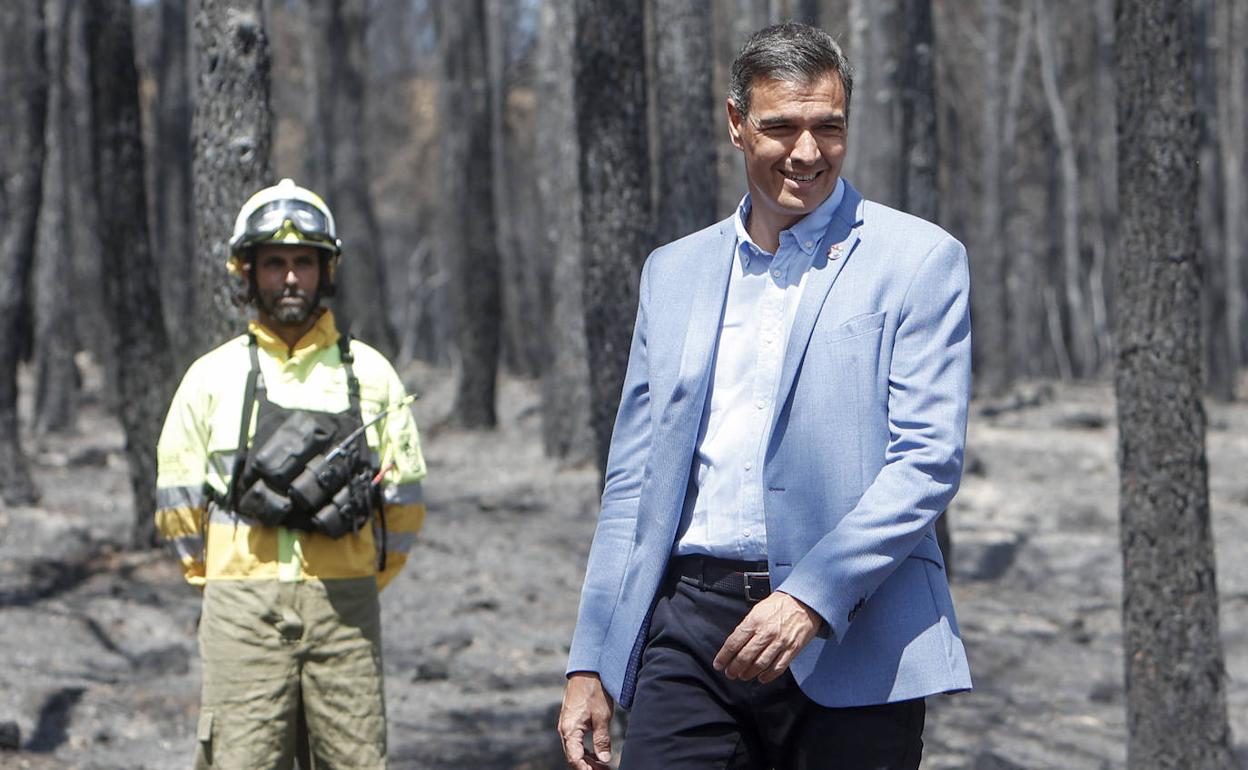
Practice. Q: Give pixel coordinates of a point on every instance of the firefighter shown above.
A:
(289, 484)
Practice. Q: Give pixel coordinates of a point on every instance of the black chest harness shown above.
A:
(305, 469)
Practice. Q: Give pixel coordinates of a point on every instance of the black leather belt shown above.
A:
(743, 579)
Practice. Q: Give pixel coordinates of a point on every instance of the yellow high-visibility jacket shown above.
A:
(197, 447)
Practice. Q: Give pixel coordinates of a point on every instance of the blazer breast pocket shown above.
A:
(856, 327)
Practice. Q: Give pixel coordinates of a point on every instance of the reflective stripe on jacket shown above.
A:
(200, 438)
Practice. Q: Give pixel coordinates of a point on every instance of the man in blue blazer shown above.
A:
(764, 588)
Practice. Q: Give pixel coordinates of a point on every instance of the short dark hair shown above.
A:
(792, 52)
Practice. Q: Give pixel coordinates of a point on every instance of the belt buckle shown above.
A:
(763, 586)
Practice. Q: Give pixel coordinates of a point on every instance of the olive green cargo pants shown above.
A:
(271, 648)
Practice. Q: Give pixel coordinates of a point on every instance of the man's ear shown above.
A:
(736, 123)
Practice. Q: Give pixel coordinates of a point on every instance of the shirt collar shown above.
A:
(323, 334)
(805, 233)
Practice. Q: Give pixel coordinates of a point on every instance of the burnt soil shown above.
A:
(99, 669)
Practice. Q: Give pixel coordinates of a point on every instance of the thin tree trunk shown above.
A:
(1082, 329)
(873, 164)
(1175, 678)
(131, 288)
(687, 118)
(232, 128)
(1219, 346)
(1232, 17)
(172, 222)
(566, 421)
(24, 88)
(337, 56)
(56, 376)
(615, 190)
(993, 373)
(468, 198)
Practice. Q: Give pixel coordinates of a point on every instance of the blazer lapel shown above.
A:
(834, 251)
(709, 293)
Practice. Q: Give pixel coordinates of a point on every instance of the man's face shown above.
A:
(794, 143)
(287, 279)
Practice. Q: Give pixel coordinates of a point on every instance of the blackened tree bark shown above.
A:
(873, 163)
(1175, 690)
(1232, 124)
(687, 119)
(566, 422)
(56, 376)
(468, 199)
(231, 127)
(131, 287)
(609, 61)
(24, 89)
(993, 372)
(172, 223)
(342, 175)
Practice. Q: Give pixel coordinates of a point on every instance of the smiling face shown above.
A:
(794, 140)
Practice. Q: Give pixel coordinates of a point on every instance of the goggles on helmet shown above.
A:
(271, 218)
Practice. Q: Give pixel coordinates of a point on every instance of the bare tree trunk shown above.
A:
(24, 88)
(172, 222)
(337, 56)
(1232, 23)
(232, 142)
(1175, 678)
(873, 164)
(1105, 234)
(993, 371)
(56, 376)
(469, 218)
(131, 288)
(1219, 345)
(1078, 307)
(566, 421)
(687, 118)
(609, 61)
(733, 21)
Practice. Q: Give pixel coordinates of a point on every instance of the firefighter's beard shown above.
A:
(290, 306)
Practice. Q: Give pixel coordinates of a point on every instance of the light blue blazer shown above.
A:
(865, 452)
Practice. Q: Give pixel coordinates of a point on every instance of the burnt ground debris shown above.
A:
(101, 669)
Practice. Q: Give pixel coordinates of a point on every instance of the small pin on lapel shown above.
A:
(834, 251)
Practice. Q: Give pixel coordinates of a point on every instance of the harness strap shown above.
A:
(353, 395)
(255, 382)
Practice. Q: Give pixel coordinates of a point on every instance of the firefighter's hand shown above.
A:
(767, 639)
(586, 710)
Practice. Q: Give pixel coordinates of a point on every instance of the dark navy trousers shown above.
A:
(687, 716)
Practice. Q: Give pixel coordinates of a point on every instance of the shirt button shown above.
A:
(810, 244)
(746, 533)
(760, 403)
(776, 273)
(748, 466)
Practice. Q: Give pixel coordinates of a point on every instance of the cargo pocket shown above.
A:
(204, 735)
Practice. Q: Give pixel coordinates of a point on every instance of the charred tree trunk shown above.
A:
(131, 288)
(172, 223)
(56, 376)
(1232, 111)
(232, 128)
(873, 164)
(566, 422)
(24, 87)
(1175, 678)
(993, 370)
(687, 118)
(609, 61)
(469, 238)
(337, 135)
(1082, 329)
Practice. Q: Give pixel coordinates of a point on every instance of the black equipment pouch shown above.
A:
(296, 472)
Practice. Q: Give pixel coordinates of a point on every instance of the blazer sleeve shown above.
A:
(928, 399)
(617, 519)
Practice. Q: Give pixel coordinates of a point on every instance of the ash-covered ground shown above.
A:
(99, 665)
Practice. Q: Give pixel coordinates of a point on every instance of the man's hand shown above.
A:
(767, 639)
(586, 709)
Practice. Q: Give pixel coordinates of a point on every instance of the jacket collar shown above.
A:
(323, 334)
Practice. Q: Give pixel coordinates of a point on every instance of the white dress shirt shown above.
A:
(723, 514)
